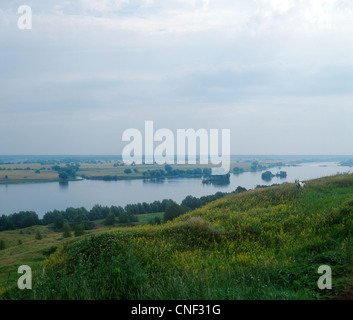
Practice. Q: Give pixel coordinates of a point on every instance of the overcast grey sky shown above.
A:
(278, 73)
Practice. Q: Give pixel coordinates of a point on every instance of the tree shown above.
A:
(59, 222)
(238, 170)
(168, 168)
(110, 219)
(63, 175)
(79, 230)
(117, 211)
(133, 218)
(124, 218)
(157, 220)
(66, 230)
(267, 176)
(38, 235)
(127, 171)
(240, 189)
(2, 244)
(192, 202)
(173, 211)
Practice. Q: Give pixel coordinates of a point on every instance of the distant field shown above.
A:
(35, 172)
(27, 176)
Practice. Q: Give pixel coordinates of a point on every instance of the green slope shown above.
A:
(262, 244)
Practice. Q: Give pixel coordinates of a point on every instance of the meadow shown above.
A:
(265, 243)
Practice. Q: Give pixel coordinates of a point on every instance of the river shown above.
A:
(44, 197)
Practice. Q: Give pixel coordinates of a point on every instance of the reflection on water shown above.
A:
(157, 181)
(43, 197)
(64, 185)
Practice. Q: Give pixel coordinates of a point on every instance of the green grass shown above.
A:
(262, 244)
(146, 218)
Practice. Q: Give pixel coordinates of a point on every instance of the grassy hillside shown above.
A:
(22, 247)
(262, 244)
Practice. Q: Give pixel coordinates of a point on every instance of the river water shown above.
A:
(44, 197)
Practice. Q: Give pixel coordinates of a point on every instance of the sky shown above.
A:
(277, 73)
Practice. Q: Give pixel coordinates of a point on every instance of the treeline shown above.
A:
(268, 175)
(256, 166)
(167, 172)
(21, 169)
(19, 220)
(98, 212)
(170, 172)
(192, 203)
(83, 217)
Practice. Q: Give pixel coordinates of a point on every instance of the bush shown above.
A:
(173, 211)
(66, 230)
(89, 225)
(110, 219)
(38, 235)
(157, 220)
(79, 230)
(197, 231)
(49, 251)
(133, 218)
(63, 176)
(124, 218)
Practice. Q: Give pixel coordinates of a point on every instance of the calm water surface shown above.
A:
(43, 197)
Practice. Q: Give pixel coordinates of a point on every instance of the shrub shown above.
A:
(173, 211)
(38, 235)
(196, 230)
(110, 219)
(124, 218)
(49, 251)
(79, 230)
(66, 230)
